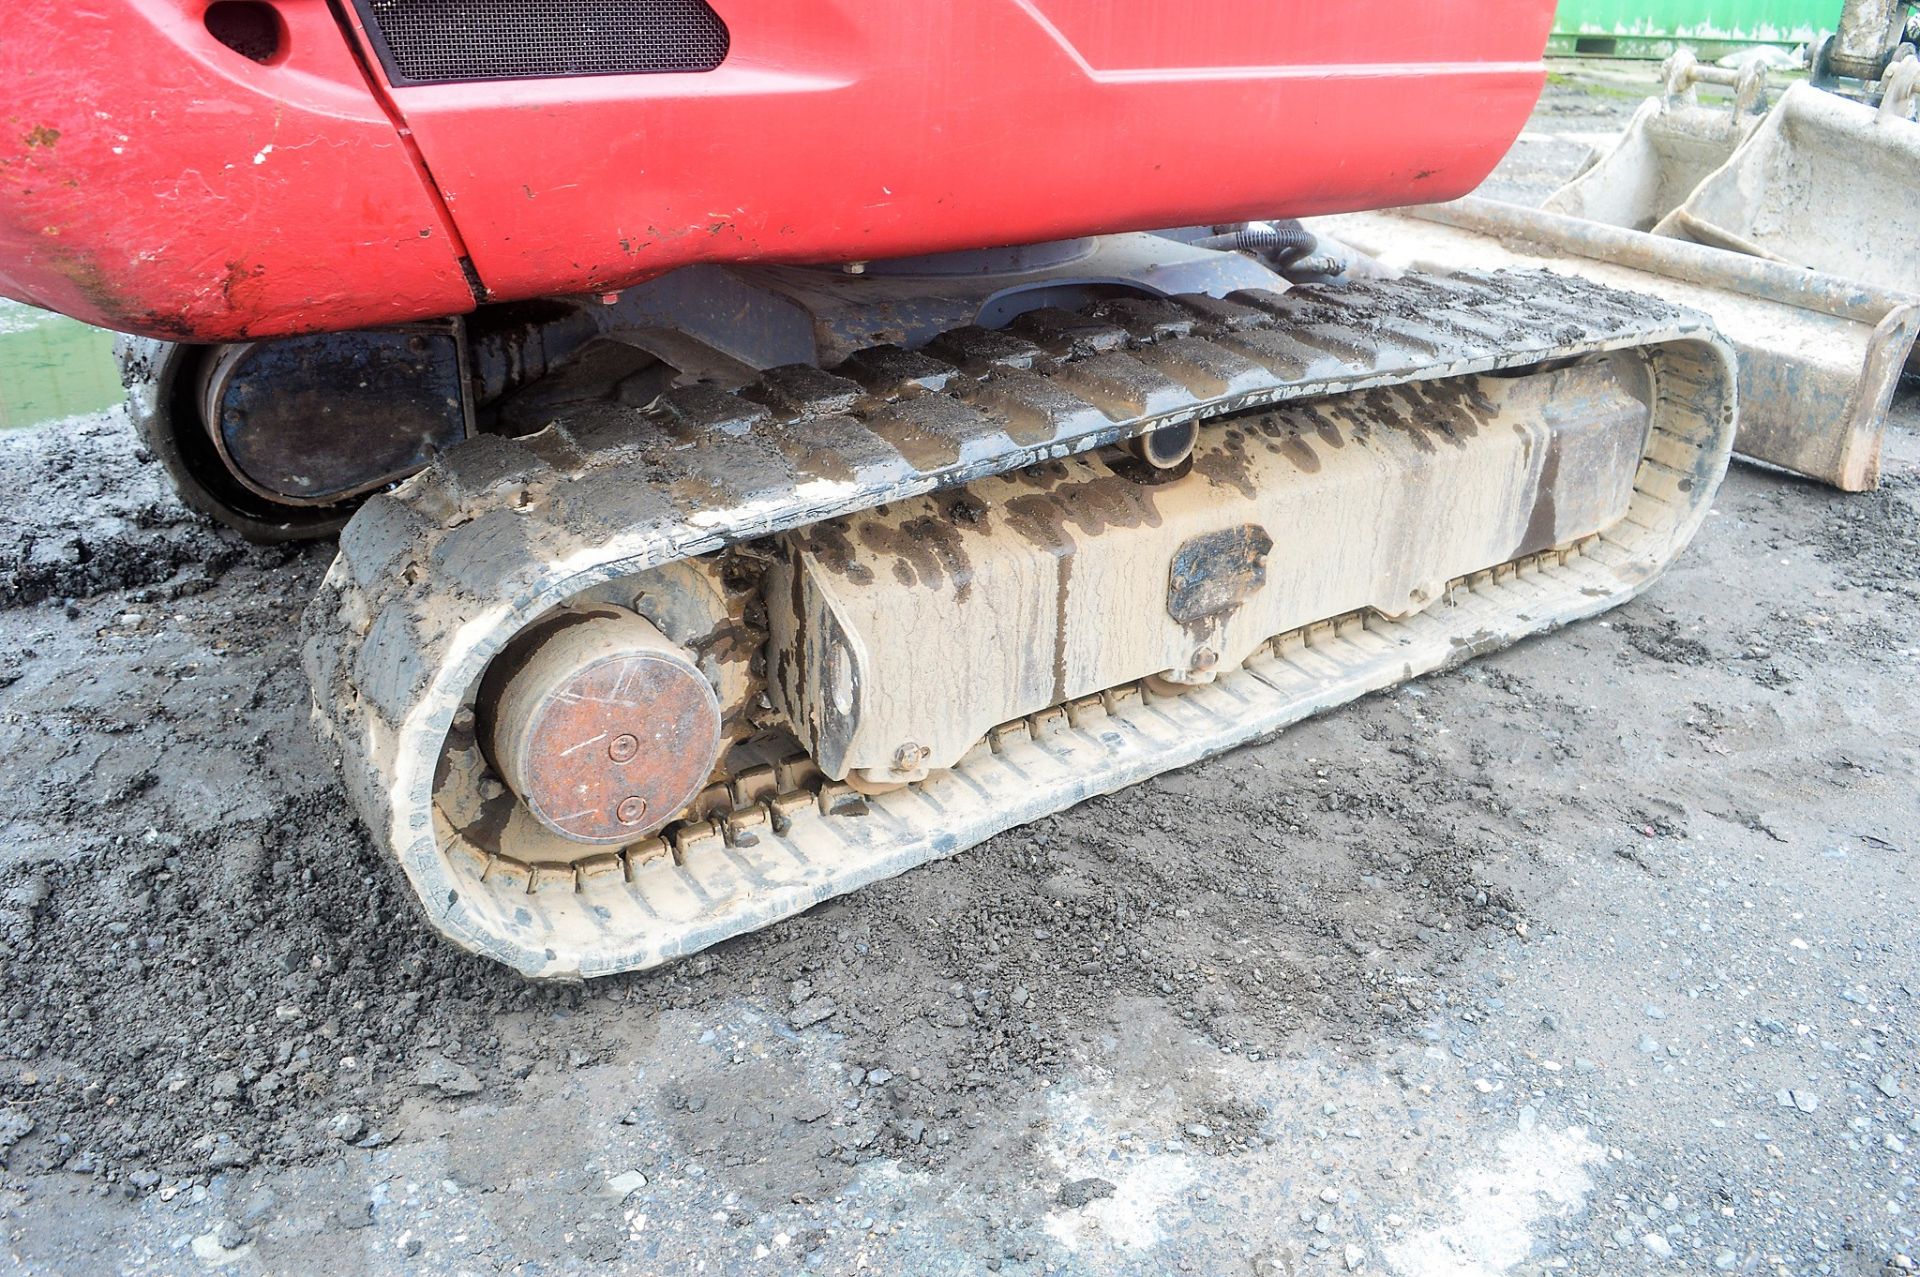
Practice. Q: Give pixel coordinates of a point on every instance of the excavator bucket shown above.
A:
(1819, 356)
(1670, 145)
(1825, 183)
(1793, 228)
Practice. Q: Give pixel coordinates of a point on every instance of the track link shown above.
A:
(434, 578)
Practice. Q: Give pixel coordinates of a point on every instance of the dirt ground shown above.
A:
(1598, 955)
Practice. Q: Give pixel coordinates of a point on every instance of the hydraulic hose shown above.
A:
(1285, 243)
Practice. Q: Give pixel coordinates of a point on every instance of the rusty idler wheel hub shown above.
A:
(604, 728)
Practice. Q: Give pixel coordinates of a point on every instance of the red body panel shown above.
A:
(153, 180)
(835, 130)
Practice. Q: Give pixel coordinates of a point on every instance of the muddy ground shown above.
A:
(1599, 955)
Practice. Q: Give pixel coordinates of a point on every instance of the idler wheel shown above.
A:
(604, 728)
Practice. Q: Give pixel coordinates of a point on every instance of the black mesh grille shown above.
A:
(437, 41)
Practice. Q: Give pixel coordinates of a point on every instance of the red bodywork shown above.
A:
(154, 180)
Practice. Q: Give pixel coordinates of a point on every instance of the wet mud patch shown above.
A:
(176, 1004)
(1662, 640)
(93, 514)
(1256, 913)
(180, 1003)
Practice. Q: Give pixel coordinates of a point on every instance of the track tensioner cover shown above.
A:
(603, 727)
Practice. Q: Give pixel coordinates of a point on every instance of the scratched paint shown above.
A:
(52, 367)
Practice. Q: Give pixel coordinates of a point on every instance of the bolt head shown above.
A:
(631, 811)
(1205, 659)
(623, 748)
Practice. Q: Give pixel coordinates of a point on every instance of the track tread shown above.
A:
(434, 576)
(978, 351)
(890, 371)
(801, 390)
(1068, 334)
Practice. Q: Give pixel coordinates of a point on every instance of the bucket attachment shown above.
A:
(1824, 182)
(1819, 356)
(1671, 144)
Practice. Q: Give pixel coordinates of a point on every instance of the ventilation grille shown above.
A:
(445, 41)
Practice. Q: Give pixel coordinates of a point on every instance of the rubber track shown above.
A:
(433, 578)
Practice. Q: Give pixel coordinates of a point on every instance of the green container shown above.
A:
(1654, 28)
